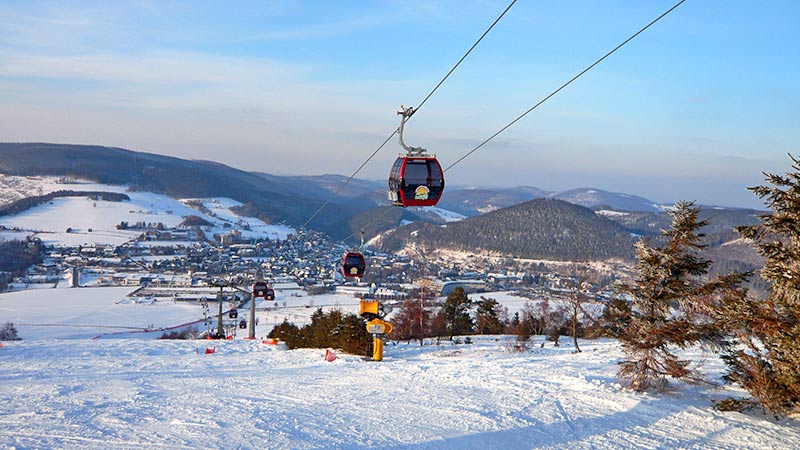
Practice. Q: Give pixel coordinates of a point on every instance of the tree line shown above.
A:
(36, 200)
(16, 256)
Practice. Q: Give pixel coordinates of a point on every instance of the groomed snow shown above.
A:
(124, 394)
(83, 313)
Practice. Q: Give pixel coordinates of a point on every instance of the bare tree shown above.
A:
(427, 286)
(579, 283)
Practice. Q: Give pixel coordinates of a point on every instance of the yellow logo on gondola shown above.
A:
(421, 193)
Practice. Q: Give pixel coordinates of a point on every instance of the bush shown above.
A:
(334, 329)
(9, 333)
(189, 333)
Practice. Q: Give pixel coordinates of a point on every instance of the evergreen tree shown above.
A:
(671, 304)
(487, 317)
(764, 356)
(456, 313)
(616, 318)
(8, 332)
(513, 324)
(332, 329)
(439, 326)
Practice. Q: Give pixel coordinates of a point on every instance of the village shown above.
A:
(184, 264)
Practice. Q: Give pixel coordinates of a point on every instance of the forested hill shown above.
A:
(540, 228)
(271, 198)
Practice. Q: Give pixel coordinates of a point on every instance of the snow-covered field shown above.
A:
(94, 221)
(75, 313)
(170, 394)
(84, 313)
(61, 389)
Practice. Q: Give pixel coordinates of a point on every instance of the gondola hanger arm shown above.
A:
(407, 113)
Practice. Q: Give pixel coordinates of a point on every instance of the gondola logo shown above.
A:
(421, 193)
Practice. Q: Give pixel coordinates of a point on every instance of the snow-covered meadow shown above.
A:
(93, 221)
(61, 389)
(153, 394)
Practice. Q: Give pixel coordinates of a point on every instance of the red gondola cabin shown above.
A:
(269, 294)
(416, 181)
(353, 264)
(260, 289)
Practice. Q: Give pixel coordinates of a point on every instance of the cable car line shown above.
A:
(566, 84)
(598, 61)
(466, 54)
(350, 178)
(388, 209)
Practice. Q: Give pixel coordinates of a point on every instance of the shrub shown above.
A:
(9, 333)
(333, 329)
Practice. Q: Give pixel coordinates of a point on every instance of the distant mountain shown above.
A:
(728, 251)
(538, 229)
(516, 221)
(372, 222)
(332, 183)
(721, 221)
(476, 201)
(595, 198)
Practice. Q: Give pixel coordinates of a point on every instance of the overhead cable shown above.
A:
(339, 189)
(590, 67)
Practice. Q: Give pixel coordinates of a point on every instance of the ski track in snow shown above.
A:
(121, 394)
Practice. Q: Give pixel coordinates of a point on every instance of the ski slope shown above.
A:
(61, 389)
(123, 394)
(107, 312)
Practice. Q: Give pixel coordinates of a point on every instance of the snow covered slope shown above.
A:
(83, 313)
(94, 221)
(126, 394)
(60, 389)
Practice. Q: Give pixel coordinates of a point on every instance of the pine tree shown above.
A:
(487, 317)
(671, 304)
(9, 332)
(456, 313)
(764, 354)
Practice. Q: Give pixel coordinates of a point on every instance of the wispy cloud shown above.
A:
(317, 31)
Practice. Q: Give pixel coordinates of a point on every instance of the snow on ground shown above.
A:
(611, 213)
(444, 214)
(507, 299)
(63, 390)
(83, 214)
(220, 208)
(14, 187)
(448, 215)
(75, 313)
(169, 394)
(70, 313)
(13, 235)
(94, 221)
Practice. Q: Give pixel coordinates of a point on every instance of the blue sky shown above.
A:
(695, 108)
